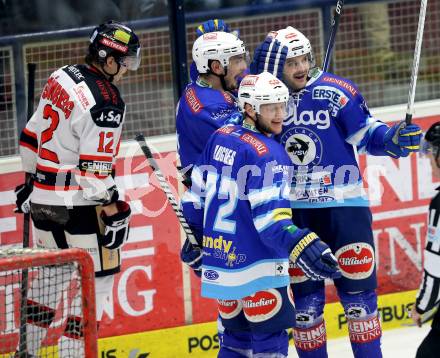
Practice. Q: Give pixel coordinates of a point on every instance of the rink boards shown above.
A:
(155, 296)
(201, 340)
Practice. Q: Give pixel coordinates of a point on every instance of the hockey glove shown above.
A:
(269, 56)
(192, 255)
(313, 256)
(211, 26)
(116, 226)
(23, 195)
(402, 139)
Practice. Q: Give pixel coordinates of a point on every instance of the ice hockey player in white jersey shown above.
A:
(69, 148)
(327, 121)
(428, 295)
(238, 203)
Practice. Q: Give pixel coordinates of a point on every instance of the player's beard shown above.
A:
(263, 128)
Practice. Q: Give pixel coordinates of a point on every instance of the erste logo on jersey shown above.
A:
(335, 96)
(262, 305)
(84, 96)
(110, 118)
(303, 146)
(229, 308)
(356, 260)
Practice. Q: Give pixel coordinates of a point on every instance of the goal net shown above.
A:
(47, 303)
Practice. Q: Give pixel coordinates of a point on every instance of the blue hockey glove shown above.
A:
(313, 256)
(211, 26)
(192, 255)
(269, 56)
(402, 139)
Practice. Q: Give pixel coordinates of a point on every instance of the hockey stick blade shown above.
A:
(165, 187)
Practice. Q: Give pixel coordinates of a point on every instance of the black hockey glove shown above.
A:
(313, 256)
(116, 226)
(23, 195)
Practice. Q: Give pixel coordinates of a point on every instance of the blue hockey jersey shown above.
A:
(239, 199)
(327, 121)
(202, 110)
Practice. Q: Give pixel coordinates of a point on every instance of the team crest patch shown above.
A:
(356, 260)
(229, 308)
(303, 146)
(262, 305)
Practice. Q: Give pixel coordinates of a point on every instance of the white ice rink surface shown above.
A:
(400, 342)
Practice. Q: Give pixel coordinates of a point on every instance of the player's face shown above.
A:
(236, 68)
(295, 71)
(111, 66)
(271, 117)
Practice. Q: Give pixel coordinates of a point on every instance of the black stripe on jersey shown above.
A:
(28, 141)
(60, 179)
(429, 291)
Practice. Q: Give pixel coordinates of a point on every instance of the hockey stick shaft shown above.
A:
(22, 345)
(165, 187)
(331, 41)
(416, 61)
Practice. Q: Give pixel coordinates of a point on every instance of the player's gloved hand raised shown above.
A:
(313, 256)
(23, 195)
(211, 26)
(269, 56)
(192, 255)
(116, 226)
(402, 139)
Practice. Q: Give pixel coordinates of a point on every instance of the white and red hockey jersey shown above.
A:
(72, 139)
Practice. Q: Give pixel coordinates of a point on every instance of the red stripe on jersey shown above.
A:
(30, 133)
(29, 146)
(96, 157)
(92, 175)
(55, 187)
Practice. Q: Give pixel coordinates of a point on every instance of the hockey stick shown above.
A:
(165, 187)
(416, 60)
(22, 345)
(331, 40)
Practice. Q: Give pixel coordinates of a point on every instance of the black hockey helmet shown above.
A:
(117, 40)
(431, 141)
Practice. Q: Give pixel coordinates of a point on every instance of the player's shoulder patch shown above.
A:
(340, 82)
(74, 72)
(83, 96)
(193, 101)
(258, 145)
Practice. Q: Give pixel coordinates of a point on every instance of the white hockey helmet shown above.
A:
(217, 45)
(297, 44)
(261, 89)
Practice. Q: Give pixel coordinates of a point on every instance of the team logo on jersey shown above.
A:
(222, 250)
(356, 260)
(303, 146)
(211, 275)
(357, 310)
(262, 305)
(110, 118)
(229, 308)
(257, 144)
(296, 274)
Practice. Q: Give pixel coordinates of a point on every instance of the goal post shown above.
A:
(59, 307)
